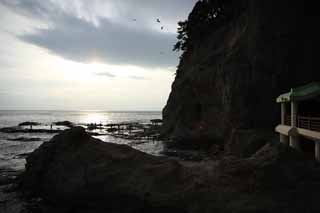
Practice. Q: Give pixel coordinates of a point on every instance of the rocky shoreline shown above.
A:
(136, 132)
(128, 130)
(75, 172)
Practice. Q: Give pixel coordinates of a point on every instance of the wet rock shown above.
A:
(185, 155)
(246, 142)
(94, 126)
(6, 179)
(25, 139)
(156, 122)
(11, 129)
(23, 155)
(22, 130)
(64, 123)
(29, 123)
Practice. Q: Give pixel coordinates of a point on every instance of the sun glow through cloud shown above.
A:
(87, 55)
(77, 71)
(92, 71)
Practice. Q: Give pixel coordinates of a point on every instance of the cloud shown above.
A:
(105, 74)
(32, 8)
(80, 32)
(81, 41)
(137, 77)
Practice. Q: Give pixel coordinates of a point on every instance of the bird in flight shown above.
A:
(134, 19)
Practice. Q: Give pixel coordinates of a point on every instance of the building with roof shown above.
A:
(300, 117)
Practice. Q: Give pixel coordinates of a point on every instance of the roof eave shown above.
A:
(284, 98)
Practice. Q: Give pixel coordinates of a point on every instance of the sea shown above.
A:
(13, 152)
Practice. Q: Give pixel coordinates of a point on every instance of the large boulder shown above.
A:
(85, 174)
(246, 142)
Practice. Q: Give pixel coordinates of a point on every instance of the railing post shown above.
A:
(317, 150)
(309, 122)
(283, 138)
(294, 140)
(283, 113)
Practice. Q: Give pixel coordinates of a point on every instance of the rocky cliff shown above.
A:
(229, 77)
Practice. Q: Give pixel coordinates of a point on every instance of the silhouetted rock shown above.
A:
(156, 121)
(23, 130)
(246, 142)
(64, 123)
(25, 139)
(85, 174)
(29, 123)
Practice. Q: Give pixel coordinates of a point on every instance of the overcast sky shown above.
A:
(81, 54)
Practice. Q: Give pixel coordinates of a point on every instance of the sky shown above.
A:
(88, 54)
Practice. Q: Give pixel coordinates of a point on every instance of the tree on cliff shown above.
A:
(205, 16)
(182, 36)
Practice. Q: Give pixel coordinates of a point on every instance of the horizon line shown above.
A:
(84, 110)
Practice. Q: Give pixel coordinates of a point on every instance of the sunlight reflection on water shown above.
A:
(12, 152)
(13, 118)
(95, 118)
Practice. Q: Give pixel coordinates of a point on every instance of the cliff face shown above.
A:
(232, 75)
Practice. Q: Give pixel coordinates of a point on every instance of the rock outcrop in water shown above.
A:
(83, 174)
(229, 76)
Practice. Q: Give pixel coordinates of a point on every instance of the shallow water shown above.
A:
(12, 153)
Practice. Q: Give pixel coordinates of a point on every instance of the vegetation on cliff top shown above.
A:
(206, 16)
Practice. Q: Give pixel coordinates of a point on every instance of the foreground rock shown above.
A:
(84, 174)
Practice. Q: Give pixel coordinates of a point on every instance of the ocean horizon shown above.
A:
(14, 117)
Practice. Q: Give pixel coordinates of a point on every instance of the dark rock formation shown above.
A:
(25, 139)
(29, 123)
(15, 129)
(64, 123)
(231, 74)
(84, 174)
(246, 142)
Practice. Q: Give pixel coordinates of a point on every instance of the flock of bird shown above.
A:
(158, 20)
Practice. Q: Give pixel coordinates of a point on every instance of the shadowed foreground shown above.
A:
(82, 174)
